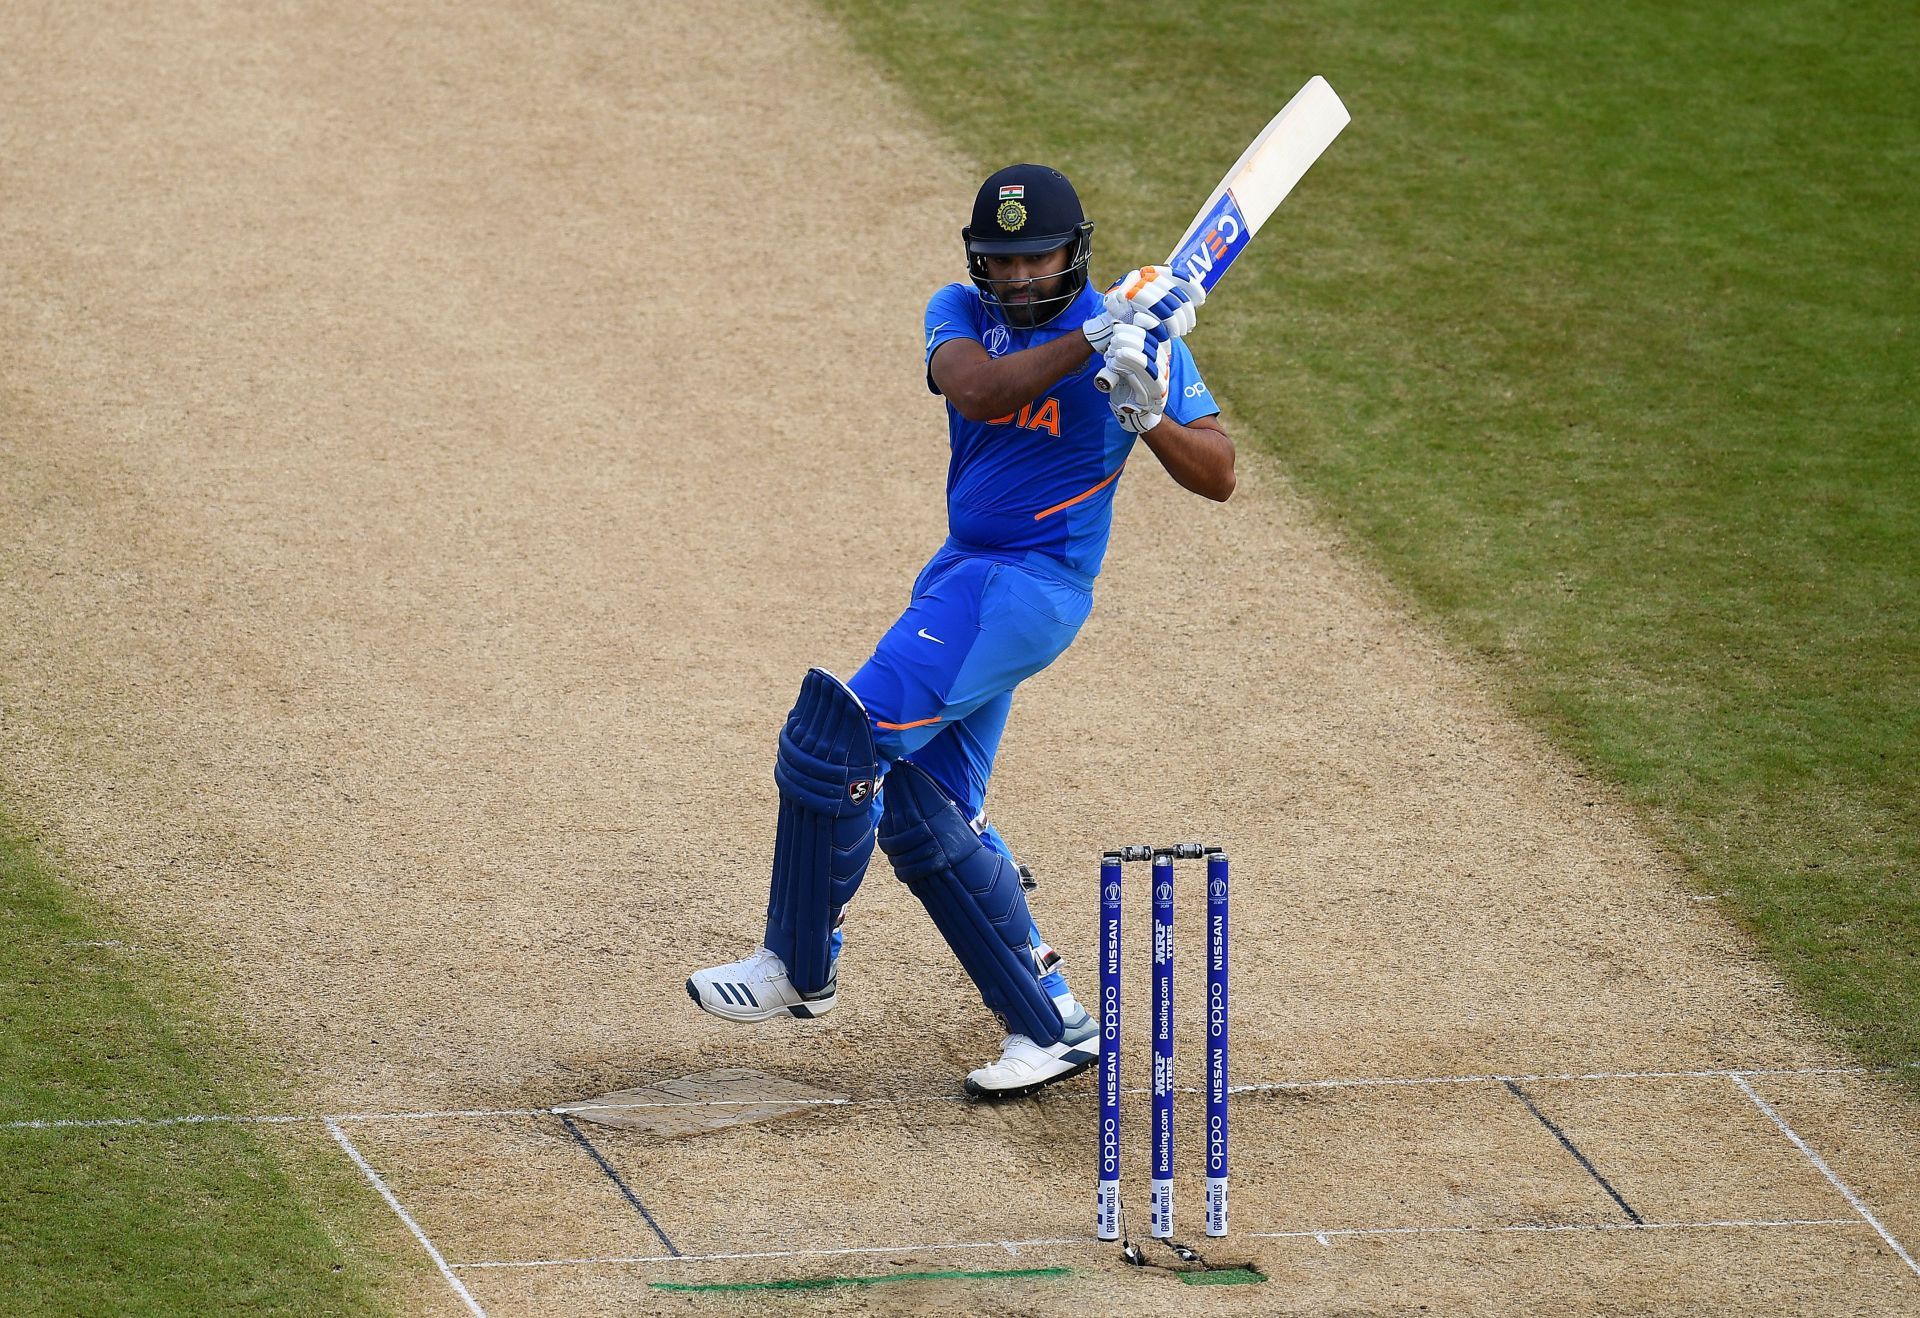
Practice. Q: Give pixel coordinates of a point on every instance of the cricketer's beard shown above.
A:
(1047, 297)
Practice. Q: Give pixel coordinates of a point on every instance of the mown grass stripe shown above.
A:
(145, 1215)
(825, 1283)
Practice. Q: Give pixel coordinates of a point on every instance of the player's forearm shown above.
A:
(992, 388)
(1199, 457)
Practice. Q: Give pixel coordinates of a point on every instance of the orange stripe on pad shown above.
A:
(901, 727)
(1084, 494)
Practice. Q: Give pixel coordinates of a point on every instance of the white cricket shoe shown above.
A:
(756, 988)
(1025, 1066)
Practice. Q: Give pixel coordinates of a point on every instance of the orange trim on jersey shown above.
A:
(902, 727)
(1084, 494)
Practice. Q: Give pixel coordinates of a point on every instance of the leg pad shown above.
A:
(973, 894)
(828, 777)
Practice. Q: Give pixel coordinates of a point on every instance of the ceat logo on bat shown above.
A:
(1216, 240)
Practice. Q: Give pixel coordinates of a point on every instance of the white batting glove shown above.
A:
(1131, 300)
(1142, 366)
(1180, 309)
(1099, 331)
(1134, 413)
(1133, 351)
(1156, 296)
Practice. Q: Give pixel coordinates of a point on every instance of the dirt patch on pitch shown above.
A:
(435, 442)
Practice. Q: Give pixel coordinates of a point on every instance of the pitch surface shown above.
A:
(436, 442)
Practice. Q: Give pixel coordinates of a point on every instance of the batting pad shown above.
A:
(973, 894)
(828, 775)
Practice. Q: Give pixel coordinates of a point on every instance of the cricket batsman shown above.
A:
(901, 754)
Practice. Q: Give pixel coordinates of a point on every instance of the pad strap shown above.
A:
(973, 894)
(828, 775)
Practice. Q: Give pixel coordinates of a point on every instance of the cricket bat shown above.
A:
(1254, 188)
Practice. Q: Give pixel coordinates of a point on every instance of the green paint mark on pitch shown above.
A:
(1223, 1277)
(823, 1283)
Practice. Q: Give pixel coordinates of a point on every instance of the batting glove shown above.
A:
(1154, 295)
(1142, 367)
(1099, 331)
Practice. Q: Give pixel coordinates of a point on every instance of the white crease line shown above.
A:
(575, 1109)
(1827, 1172)
(1359, 1082)
(1544, 1228)
(1322, 1235)
(1389, 1082)
(1010, 1246)
(459, 1287)
(269, 1119)
(93, 1123)
(431, 1114)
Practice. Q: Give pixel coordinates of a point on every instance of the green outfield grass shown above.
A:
(1596, 331)
(188, 1220)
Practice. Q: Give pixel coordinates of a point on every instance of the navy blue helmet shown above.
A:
(1027, 210)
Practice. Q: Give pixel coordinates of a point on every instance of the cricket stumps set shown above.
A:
(1222, 228)
(1108, 1213)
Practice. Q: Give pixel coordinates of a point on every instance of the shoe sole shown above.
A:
(1021, 1091)
(804, 1010)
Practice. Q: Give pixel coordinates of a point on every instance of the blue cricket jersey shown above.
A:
(1042, 480)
